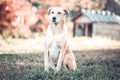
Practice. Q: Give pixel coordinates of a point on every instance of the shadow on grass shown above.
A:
(92, 65)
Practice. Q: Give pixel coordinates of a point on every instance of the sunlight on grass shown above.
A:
(95, 43)
(36, 45)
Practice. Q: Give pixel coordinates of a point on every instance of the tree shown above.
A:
(17, 16)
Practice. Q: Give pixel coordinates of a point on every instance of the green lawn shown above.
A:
(92, 65)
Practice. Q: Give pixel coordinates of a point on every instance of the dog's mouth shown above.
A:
(55, 22)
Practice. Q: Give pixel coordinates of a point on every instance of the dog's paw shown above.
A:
(57, 69)
(55, 72)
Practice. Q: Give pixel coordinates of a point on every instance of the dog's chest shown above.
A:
(54, 50)
(55, 44)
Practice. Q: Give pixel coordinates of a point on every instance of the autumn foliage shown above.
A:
(16, 17)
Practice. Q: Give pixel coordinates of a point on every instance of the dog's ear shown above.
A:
(66, 12)
(49, 11)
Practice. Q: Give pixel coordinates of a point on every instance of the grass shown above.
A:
(92, 65)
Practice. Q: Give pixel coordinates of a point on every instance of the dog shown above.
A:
(57, 52)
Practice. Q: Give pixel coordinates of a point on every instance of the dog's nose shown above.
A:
(54, 18)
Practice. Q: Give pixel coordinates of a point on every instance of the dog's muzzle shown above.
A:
(54, 20)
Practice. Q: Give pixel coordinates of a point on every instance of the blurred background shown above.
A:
(90, 22)
(94, 35)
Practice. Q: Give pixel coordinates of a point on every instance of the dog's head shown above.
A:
(57, 14)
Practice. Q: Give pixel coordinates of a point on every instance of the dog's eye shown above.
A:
(52, 12)
(59, 12)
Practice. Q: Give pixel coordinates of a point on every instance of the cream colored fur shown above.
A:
(57, 52)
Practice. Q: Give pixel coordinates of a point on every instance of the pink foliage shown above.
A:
(24, 16)
(85, 4)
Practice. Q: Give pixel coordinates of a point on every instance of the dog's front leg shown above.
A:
(60, 59)
(46, 67)
(51, 64)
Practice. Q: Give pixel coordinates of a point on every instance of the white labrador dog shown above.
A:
(57, 51)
